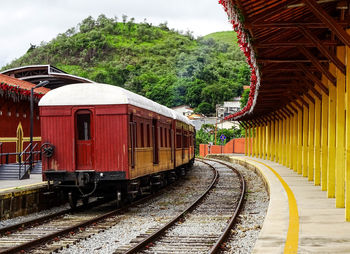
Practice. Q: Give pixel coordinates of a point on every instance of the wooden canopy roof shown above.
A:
(294, 41)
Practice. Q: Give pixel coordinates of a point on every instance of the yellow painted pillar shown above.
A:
(265, 142)
(288, 143)
(295, 149)
(311, 135)
(317, 140)
(262, 128)
(347, 165)
(291, 140)
(245, 141)
(300, 141)
(283, 162)
(276, 139)
(324, 141)
(280, 142)
(331, 137)
(256, 141)
(305, 140)
(249, 138)
(340, 134)
(260, 141)
(272, 140)
(268, 140)
(291, 136)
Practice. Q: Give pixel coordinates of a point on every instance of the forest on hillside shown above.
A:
(167, 66)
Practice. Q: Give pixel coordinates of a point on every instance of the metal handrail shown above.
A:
(26, 160)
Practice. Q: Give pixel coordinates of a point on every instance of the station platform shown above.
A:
(34, 181)
(300, 217)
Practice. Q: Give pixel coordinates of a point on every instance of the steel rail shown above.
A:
(232, 221)
(141, 245)
(74, 228)
(43, 219)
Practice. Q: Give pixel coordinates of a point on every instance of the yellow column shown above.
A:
(259, 142)
(280, 142)
(288, 143)
(300, 141)
(272, 140)
(291, 136)
(305, 140)
(268, 140)
(340, 133)
(255, 141)
(249, 133)
(347, 173)
(291, 140)
(324, 140)
(331, 137)
(245, 141)
(262, 141)
(283, 141)
(265, 141)
(276, 139)
(295, 147)
(317, 154)
(311, 135)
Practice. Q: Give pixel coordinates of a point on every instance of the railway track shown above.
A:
(63, 229)
(204, 225)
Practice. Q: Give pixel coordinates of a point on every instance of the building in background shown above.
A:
(15, 115)
(228, 108)
(184, 110)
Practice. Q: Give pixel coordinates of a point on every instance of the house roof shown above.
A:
(20, 87)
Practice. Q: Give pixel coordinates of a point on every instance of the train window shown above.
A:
(83, 126)
(165, 138)
(161, 137)
(170, 142)
(178, 140)
(148, 136)
(142, 135)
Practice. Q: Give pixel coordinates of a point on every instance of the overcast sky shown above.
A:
(25, 22)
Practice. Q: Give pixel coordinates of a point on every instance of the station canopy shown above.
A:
(37, 73)
(289, 46)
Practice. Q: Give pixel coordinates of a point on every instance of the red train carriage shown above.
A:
(104, 140)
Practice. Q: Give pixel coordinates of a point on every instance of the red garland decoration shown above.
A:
(18, 91)
(247, 50)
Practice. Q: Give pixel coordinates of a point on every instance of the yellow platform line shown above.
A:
(291, 245)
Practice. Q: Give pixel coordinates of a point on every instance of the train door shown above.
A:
(155, 140)
(83, 139)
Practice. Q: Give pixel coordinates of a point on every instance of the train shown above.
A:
(103, 140)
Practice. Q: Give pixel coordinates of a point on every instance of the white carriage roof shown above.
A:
(102, 94)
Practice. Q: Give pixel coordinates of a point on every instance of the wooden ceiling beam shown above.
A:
(285, 60)
(313, 78)
(269, 12)
(291, 25)
(332, 57)
(318, 65)
(313, 90)
(290, 44)
(328, 20)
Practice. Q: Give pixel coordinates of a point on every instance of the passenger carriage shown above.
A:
(100, 139)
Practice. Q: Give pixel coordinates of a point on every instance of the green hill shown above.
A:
(228, 37)
(155, 61)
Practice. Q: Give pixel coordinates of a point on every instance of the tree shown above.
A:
(244, 98)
